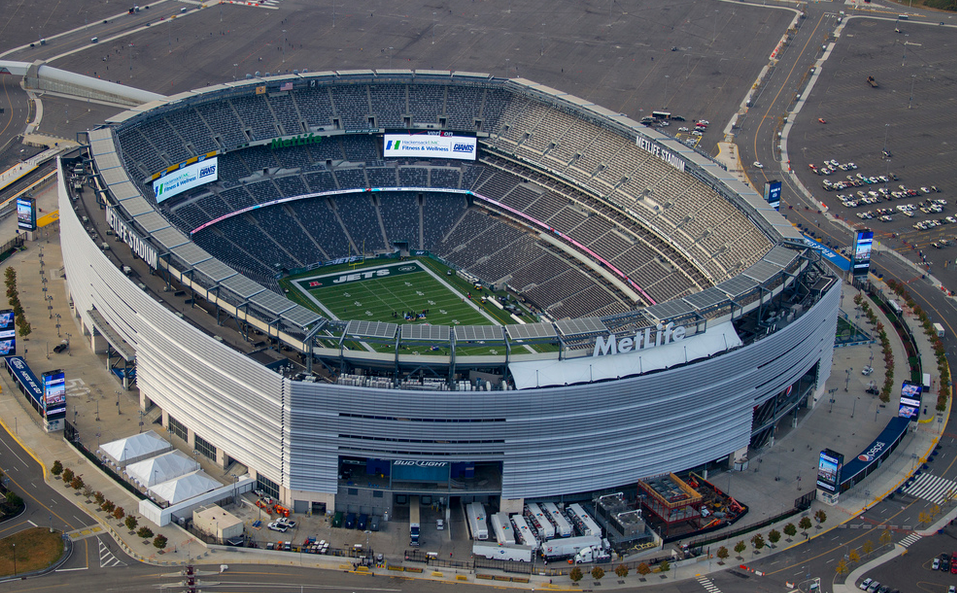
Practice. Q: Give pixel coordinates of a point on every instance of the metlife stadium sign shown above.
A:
(430, 145)
(186, 178)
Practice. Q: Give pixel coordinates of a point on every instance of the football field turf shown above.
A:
(399, 293)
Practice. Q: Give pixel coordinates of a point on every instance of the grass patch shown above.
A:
(36, 549)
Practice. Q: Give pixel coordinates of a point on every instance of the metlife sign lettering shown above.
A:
(661, 152)
(646, 338)
(137, 244)
(430, 145)
(186, 178)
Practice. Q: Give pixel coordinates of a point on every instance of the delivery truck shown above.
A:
(510, 552)
(567, 547)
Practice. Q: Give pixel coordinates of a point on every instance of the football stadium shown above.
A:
(370, 285)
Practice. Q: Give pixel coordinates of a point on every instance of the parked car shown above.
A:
(276, 526)
(865, 584)
(822, 120)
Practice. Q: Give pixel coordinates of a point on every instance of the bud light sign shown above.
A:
(186, 178)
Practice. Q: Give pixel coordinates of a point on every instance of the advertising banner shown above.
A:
(186, 178)
(910, 401)
(54, 392)
(430, 145)
(26, 214)
(772, 194)
(829, 470)
(862, 252)
(8, 333)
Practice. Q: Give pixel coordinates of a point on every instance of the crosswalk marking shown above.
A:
(933, 488)
(708, 585)
(910, 540)
(107, 559)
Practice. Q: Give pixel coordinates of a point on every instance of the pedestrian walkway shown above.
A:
(910, 539)
(933, 488)
(709, 586)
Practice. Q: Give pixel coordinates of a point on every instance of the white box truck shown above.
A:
(568, 546)
(562, 526)
(523, 531)
(939, 330)
(502, 552)
(504, 534)
(476, 516)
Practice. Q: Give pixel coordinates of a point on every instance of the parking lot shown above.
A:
(896, 137)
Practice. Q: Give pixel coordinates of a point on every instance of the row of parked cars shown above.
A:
(831, 166)
(872, 586)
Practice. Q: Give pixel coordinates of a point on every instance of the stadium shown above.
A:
(575, 302)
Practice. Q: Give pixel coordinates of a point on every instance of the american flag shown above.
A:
(286, 86)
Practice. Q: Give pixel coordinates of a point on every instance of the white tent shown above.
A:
(184, 487)
(161, 468)
(131, 449)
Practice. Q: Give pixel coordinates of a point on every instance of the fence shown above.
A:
(72, 436)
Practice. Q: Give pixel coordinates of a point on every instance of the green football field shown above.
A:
(401, 292)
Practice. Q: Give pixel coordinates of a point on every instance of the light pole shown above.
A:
(234, 70)
(542, 52)
(14, 559)
(433, 28)
(884, 149)
(283, 46)
(847, 378)
(910, 102)
(666, 91)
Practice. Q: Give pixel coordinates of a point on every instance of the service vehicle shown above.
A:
(512, 552)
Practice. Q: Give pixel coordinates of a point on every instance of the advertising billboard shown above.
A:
(26, 214)
(186, 178)
(54, 392)
(430, 144)
(8, 333)
(829, 467)
(862, 252)
(910, 401)
(772, 193)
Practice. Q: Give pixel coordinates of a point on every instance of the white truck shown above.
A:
(504, 534)
(476, 517)
(523, 531)
(582, 520)
(562, 526)
(502, 552)
(568, 546)
(592, 554)
(939, 330)
(537, 519)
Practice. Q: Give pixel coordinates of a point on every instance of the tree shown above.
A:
(576, 575)
(774, 536)
(144, 532)
(621, 570)
(109, 506)
(131, 522)
(597, 573)
(77, 482)
(98, 497)
(119, 513)
(868, 547)
(67, 476)
(722, 554)
(804, 523)
(853, 556)
(159, 542)
(57, 468)
(820, 516)
(740, 547)
(841, 567)
(14, 500)
(643, 569)
(664, 567)
(757, 541)
(885, 537)
(790, 530)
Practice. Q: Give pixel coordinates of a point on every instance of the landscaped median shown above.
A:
(29, 551)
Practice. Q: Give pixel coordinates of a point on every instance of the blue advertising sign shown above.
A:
(8, 333)
(25, 377)
(772, 193)
(829, 468)
(54, 392)
(910, 401)
(863, 242)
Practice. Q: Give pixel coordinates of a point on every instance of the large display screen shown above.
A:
(430, 144)
(54, 392)
(27, 214)
(8, 333)
(862, 252)
(772, 194)
(186, 178)
(910, 401)
(829, 470)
